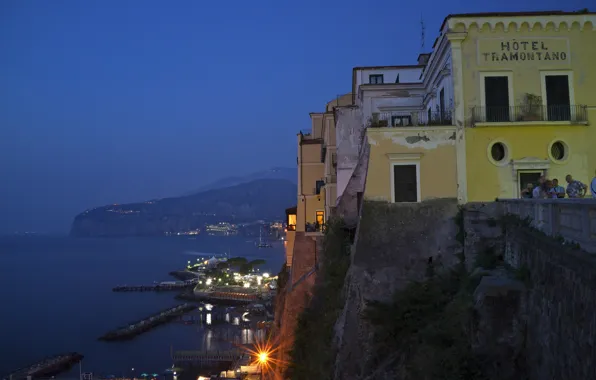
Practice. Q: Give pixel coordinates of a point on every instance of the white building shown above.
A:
(410, 96)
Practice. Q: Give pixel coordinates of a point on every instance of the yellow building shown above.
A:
(521, 85)
(317, 176)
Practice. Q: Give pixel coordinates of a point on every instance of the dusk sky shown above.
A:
(117, 101)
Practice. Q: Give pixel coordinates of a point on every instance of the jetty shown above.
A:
(136, 328)
(47, 367)
(220, 297)
(153, 288)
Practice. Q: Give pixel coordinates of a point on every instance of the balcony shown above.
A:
(314, 227)
(530, 113)
(409, 119)
(329, 179)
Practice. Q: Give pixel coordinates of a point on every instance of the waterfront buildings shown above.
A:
(317, 179)
(500, 101)
(221, 229)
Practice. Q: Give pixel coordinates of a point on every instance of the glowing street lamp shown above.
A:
(263, 358)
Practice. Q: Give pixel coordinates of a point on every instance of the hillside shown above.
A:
(260, 199)
(289, 174)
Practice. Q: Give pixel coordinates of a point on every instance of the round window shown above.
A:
(558, 151)
(498, 152)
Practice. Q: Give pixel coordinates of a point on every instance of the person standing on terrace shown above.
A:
(558, 189)
(575, 188)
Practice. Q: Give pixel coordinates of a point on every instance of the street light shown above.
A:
(263, 357)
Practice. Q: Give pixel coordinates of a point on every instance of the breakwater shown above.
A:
(47, 367)
(136, 328)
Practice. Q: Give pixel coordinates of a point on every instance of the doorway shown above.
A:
(558, 102)
(526, 177)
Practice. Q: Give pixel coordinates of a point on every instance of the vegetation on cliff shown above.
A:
(312, 355)
(424, 330)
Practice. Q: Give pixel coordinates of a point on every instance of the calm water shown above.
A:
(55, 296)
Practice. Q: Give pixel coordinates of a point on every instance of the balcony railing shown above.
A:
(576, 113)
(410, 119)
(291, 227)
(314, 227)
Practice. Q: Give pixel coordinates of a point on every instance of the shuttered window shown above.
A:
(405, 183)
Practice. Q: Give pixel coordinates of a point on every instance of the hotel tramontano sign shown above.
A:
(501, 51)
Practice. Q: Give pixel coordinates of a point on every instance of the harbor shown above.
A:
(136, 328)
(48, 367)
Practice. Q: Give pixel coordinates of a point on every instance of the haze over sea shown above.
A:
(56, 296)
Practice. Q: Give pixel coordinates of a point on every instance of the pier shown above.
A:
(153, 288)
(47, 367)
(136, 328)
(220, 297)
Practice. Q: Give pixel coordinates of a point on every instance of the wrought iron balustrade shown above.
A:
(526, 113)
(410, 119)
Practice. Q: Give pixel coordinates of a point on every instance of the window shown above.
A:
(496, 98)
(375, 79)
(558, 101)
(401, 121)
(406, 186)
(559, 151)
(320, 217)
(291, 222)
(498, 152)
(319, 184)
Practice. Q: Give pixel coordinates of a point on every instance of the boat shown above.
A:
(262, 243)
(47, 367)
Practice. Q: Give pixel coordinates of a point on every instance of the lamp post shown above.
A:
(263, 357)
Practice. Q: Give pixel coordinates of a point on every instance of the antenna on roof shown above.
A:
(421, 35)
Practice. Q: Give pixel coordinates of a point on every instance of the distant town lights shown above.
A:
(247, 284)
(266, 275)
(208, 282)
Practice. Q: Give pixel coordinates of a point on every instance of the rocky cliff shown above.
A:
(260, 199)
(434, 291)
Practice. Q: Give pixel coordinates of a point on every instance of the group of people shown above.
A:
(546, 188)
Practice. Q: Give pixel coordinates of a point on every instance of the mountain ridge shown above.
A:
(290, 174)
(259, 199)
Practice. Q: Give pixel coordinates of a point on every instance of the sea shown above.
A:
(56, 296)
